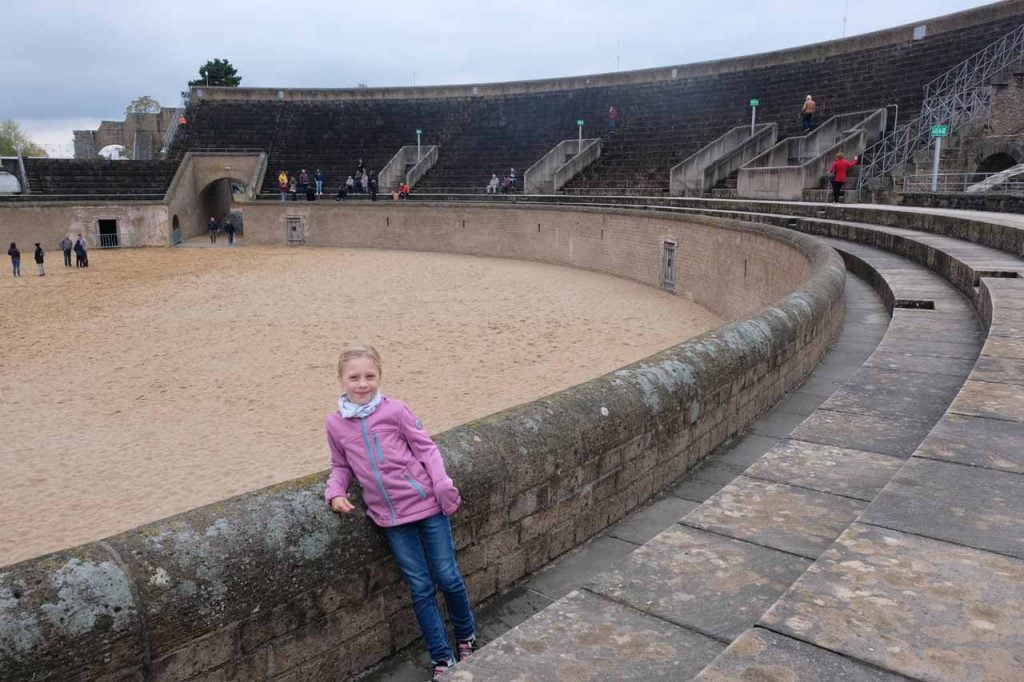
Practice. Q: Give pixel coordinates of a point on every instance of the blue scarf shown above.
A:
(350, 410)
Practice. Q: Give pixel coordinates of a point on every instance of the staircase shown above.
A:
(957, 98)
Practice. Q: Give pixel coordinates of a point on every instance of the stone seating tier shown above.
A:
(92, 177)
(660, 123)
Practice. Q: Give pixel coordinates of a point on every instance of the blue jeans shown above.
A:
(319, 186)
(16, 266)
(425, 552)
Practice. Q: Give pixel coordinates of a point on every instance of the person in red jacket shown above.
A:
(837, 173)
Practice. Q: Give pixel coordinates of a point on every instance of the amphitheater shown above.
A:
(828, 485)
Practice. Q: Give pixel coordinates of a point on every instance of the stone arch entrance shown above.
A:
(997, 162)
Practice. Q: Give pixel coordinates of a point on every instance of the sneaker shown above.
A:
(464, 648)
(440, 668)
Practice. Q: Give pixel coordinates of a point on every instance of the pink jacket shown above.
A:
(395, 461)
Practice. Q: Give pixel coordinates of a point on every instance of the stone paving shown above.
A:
(866, 320)
(926, 581)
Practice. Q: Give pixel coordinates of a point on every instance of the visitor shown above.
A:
(343, 191)
(613, 119)
(292, 189)
(807, 114)
(229, 230)
(318, 178)
(837, 173)
(39, 260)
(282, 184)
(492, 186)
(407, 493)
(310, 193)
(303, 181)
(403, 191)
(364, 181)
(512, 181)
(213, 228)
(350, 185)
(360, 168)
(65, 247)
(84, 249)
(15, 255)
(504, 185)
(394, 194)
(79, 249)
(372, 185)
(181, 121)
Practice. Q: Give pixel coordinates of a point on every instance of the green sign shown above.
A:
(940, 131)
(754, 102)
(419, 131)
(579, 121)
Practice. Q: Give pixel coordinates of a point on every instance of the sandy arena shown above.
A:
(160, 380)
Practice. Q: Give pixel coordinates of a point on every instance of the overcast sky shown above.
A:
(68, 65)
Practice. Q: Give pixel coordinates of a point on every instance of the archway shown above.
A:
(995, 163)
(9, 183)
(114, 152)
(223, 198)
(175, 231)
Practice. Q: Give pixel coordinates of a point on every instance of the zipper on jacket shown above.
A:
(380, 453)
(414, 484)
(376, 471)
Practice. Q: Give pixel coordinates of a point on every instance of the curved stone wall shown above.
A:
(271, 584)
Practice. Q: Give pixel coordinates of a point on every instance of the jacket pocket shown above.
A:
(380, 453)
(416, 486)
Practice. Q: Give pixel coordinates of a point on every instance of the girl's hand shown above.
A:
(341, 504)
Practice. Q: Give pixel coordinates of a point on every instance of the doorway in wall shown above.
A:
(108, 234)
(668, 266)
(175, 231)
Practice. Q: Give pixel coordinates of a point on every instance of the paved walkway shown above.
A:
(865, 325)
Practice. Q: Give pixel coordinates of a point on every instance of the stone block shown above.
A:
(607, 640)
(761, 654)
(200, 655)
(976, 441)
(925, 364)
(919, 607)
(706, 582)
(826, 468)
(885, 435)
(996, 401)
(784, 517)
(980, 508)
(884, 393)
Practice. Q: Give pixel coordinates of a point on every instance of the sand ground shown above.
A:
(159, 380)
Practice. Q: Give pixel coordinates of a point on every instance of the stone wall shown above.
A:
(732, 272)
(271, 585)
(1008, 102)
(138, 224)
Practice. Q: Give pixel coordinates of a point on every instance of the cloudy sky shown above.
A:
(68, 64)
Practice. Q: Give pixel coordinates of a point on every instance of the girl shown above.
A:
(407, 492)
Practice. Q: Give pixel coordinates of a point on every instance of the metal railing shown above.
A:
(955, 99)
(172, 128)
(958, 182)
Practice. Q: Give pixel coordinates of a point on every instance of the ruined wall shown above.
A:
(1008, 102)
(271, 585)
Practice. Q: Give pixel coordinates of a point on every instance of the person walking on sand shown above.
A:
(39, 256)
(15, 255)
(807, 114)
(378, 441)
(837, 173)
(214, 228)
(65, 247)
(229, 230)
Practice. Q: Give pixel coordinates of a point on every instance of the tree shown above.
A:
(12, 137)
(217, 72)
(143, 105)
